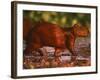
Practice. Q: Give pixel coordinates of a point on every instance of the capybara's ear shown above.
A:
(27, 26)
(76, 25)
(80, 31)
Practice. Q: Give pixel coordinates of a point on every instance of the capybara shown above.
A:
(46, 34)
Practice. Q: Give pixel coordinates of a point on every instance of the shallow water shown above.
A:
(83, 58)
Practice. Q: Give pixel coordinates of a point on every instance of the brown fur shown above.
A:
(45, 34)
(48, 34)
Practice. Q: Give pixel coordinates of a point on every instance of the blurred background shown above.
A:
(63, 19)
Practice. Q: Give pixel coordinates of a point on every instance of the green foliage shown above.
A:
(64, 19)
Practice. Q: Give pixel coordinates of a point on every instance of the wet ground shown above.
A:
(83, 58)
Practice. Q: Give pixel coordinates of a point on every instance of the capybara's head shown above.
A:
(80, 31)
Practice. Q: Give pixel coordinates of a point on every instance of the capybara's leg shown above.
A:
(71, 47)
(43, 52)
(30, 48)
(57, 55)
(57, 52)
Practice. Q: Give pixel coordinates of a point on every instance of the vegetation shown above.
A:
(64, 19)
